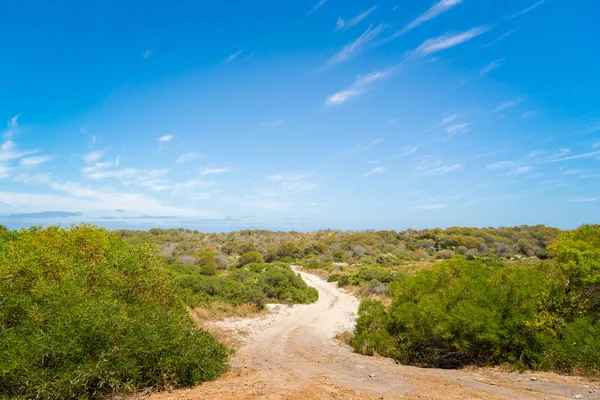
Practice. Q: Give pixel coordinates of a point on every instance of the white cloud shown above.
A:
(352, 49)
(431, 46)
(578, 156)
(448, 119)
(562, 152)
(271, 124)
(11, 127)
(32, 162)
(187, 157)
(146, 53)
(166, 138)
(522, 170)
(36, 179)
(501, 165)
(8, 152)
(374, 171)
(458, 128)
(595, 145)
(439, 170)
(234, 56)
(214, 170)
(320, 4)
(357, 88)
(93, 156)
(501, 37)
(341, 24)
(492, 66)
(437, 9)
(509, 104)
(525, 11)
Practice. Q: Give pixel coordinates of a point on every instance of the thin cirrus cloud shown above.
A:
(374, 171)
(440, 43)
(93, 156)
(233, 56)
(146, 53)
(492, 66)
(320, 4)
(437, 9)
(187, 157)
(32, 162)
(525, 11)
(458, 128)
(360, 86)
(352, 49)
(345, 25)
(508, 104)
(214, 170)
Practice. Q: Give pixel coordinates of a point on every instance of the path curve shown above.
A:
(292, 354)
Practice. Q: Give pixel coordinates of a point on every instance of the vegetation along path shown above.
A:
(292, 354)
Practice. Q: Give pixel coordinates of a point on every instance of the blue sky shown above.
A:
(300, 115)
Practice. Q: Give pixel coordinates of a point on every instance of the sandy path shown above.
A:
(291, 354)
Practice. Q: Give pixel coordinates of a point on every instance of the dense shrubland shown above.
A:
(542, 316)
(84, 314)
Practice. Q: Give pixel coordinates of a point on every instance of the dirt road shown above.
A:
(291, 354)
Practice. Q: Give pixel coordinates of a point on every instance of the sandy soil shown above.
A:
(291, 354)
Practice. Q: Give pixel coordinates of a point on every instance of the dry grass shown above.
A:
(218, 310)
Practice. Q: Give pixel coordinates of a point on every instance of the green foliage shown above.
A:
(342, 280)
(253, 283)
(484, 312)
(84, 315)
(250, 257)
(316, 265)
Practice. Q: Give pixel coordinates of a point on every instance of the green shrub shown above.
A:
(253, 283)
(316, 265)
(250, 257)
(84, 315)
(342, 280)
(371, 333)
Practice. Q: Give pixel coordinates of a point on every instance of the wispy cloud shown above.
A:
(166, 138)
(492, 66)
(234, 56)
(508, 104)
(352, 49)
(501, 37)
(32, 162)
(585, 199)
(11, 126)
(440, 7)
(458, 128)
(577, 156)
(320, 4)
(501, 165)
(146, 53)
(448, 119)
(431, 46)
(437, 168)
(360, 86)
(345, 25)
(187, 157)
(93, 156)
(214, 170)
(525, 11)
(596, 145)
(271, 124)
(530, 114)
(522, 170)
(374, 171)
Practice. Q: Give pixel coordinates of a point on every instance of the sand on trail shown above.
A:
(291, 353)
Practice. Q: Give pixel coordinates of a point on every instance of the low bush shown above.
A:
(316, 265)
(253, 283)
(84, 315)
(250, 257)
(342, 280)
(486, 313)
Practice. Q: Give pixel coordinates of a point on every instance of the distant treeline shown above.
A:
(371, 247)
